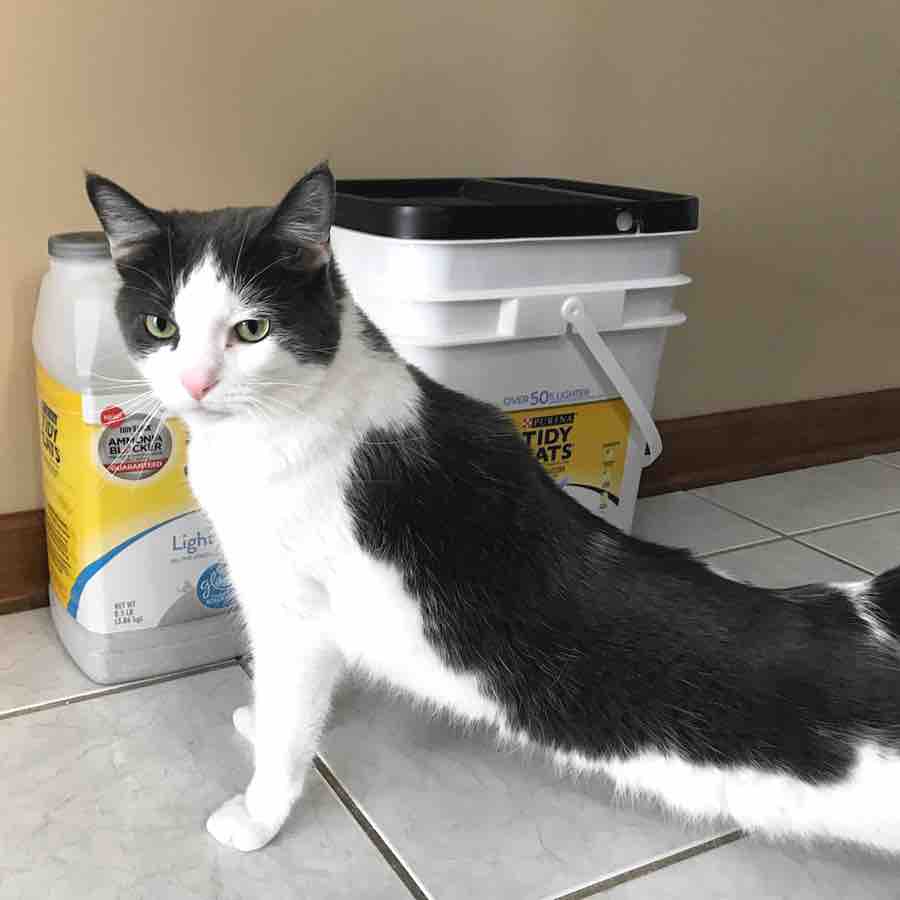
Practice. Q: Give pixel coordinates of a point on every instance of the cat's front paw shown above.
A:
(232, 826)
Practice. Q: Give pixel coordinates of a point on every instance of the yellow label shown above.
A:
(581, 446)
(105, 484)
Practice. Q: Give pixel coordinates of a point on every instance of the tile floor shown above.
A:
(105, 791)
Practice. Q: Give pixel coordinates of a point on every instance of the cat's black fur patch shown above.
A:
(598, 642)
(373, 337)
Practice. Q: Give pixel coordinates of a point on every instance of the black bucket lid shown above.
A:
(78, 245)
(497, 208)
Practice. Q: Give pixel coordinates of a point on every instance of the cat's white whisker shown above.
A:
(246, 285)
(171, 261)
(237, 259)
(128, 382)
(146, 275)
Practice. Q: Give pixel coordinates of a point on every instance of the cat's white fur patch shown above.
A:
(856, 808)
(233, 826)
(775, 804)
(857, 593)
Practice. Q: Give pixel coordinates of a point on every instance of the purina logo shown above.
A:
(549, 437)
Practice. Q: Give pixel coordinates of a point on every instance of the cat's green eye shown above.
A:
(160, 327)
(252, 330)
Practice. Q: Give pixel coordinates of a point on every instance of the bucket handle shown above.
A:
(574, 313)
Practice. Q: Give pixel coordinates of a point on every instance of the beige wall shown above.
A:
(782, 116)
(785, 118)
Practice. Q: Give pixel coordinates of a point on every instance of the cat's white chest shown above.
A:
(278, 515)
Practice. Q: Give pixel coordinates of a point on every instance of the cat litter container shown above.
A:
(137, 587)
(548, 298)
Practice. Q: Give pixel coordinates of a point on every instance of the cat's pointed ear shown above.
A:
(126, 221)
(305, 215)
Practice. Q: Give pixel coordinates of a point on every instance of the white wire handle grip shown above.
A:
(574, 313)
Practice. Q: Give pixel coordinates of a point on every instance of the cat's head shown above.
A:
(225, 311)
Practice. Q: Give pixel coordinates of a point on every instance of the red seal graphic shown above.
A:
(111, 415)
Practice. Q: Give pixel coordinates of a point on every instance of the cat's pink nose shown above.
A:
(198, 382)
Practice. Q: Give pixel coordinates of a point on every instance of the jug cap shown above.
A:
(78, 245)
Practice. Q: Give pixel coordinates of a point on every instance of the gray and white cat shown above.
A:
(373, 519)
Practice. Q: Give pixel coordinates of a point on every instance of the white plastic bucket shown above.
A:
(559, 332)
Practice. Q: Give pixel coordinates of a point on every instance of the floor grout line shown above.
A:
(756, 542)
(855, 521)
(740, 515)
(365, 822)
(835, 556)
(371, 830)
(763, 543)
(863, 570)
(663, 861)
(802, 531)
(109, 690)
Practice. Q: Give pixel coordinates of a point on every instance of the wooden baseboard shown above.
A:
(697, 451)
(23, 561)
(744, 443)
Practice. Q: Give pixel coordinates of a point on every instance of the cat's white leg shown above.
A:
(296, 665)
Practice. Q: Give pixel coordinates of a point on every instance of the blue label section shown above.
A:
(90, 570)
(214, 589)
